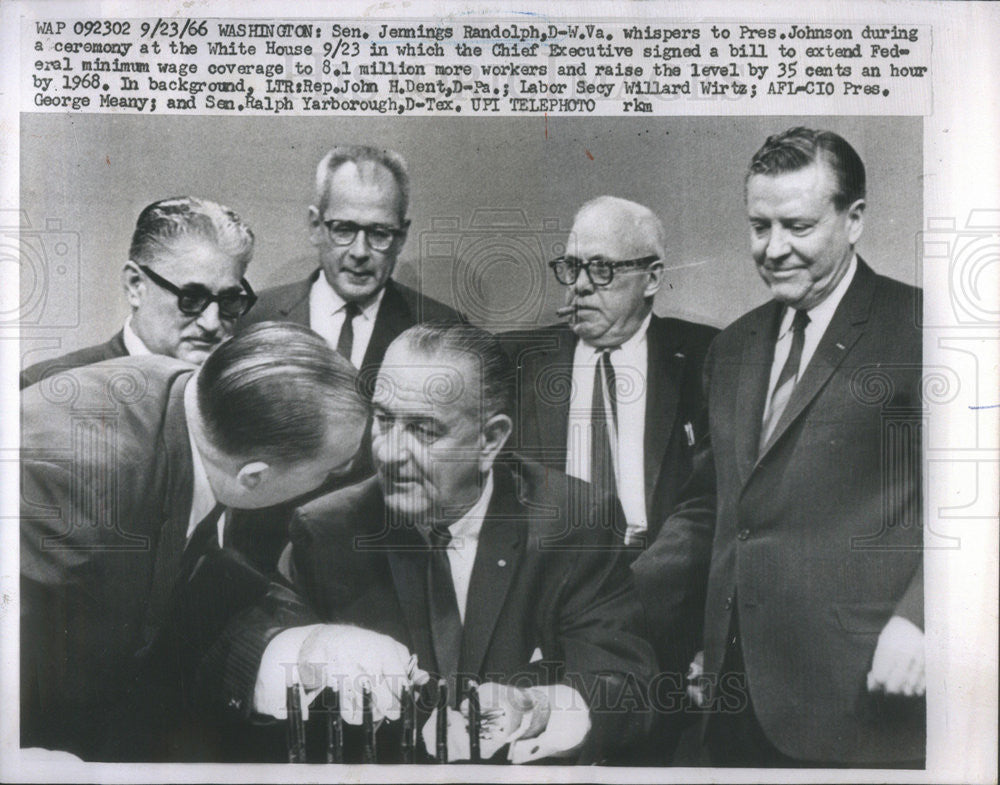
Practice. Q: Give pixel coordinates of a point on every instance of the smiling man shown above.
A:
(358, 226)
(803, 515)
(183, 282)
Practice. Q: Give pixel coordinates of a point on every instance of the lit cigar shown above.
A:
(296, 737)
(368, 724)
(474, 722)
(566, 311)
(442, 721)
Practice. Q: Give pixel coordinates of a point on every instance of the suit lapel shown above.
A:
(665, 370)
(553, 370)
(409, 576)
(296, 307)
(845, 328)
(393, 317)
(501, 546)
(754, 372)
(180, 487)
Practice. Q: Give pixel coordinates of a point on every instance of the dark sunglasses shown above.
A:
(193, 300)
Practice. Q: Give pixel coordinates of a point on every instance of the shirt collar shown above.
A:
(465, 531)
(133, 343)
(328, 301)
(822, 314)
(202, 497)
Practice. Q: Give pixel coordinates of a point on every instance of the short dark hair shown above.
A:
(497, 376)
(162, 222)
(800, 147)
(357, 154)
(270, 390)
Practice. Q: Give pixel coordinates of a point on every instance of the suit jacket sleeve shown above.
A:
(672, 574)
(228, 673)
(597, 631)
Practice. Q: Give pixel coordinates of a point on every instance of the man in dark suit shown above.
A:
(358, 226)
(612, 272)
(184, 284)
(461, 557)
(803, 513)
(125, 467)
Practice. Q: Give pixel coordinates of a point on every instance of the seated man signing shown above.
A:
(463, 561)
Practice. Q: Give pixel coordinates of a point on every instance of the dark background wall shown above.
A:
(498, 195)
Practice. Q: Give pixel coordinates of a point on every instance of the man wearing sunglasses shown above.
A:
(183, 282)
(358, 226)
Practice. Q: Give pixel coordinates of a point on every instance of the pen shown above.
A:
(442, 721)
(474, 721)
(296, 738)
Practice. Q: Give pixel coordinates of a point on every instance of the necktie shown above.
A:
(787, 378)
(446, 623)
(345, 343)
(203, 538)
(602, 466)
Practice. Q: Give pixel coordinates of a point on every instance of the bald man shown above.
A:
(639, 443)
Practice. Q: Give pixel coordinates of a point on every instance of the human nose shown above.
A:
(359, 246)
(582, 284)
(209, 320)
(777, 243)
(390, 445)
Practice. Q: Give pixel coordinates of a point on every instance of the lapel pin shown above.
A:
(689, 432)
(501, 563)
(840, 346)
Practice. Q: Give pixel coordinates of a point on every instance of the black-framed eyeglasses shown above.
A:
(600, 271)
(192, 300)
(378, 236)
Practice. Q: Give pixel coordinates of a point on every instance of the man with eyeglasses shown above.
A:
(358, 226)
(184, 284)
(613, 394)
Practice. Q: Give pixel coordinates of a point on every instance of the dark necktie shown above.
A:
(446, 623)
(203, 538)
(602, 467)
(787, 378)
(345, 343)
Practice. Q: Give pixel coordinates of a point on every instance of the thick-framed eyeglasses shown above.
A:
(378, 236)
(600, 271)
(194, 299)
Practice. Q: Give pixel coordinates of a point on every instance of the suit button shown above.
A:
(744, 534)
(729, 603)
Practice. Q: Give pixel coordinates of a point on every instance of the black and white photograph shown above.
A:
(568, 394)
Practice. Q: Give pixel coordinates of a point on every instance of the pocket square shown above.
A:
(536, 656)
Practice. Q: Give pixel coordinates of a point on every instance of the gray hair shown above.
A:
(168, 220)
(358, 154)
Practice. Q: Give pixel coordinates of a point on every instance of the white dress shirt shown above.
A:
(327, 312)
(819, 319)
(630, 362)
(133, 343)
(269, 690)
